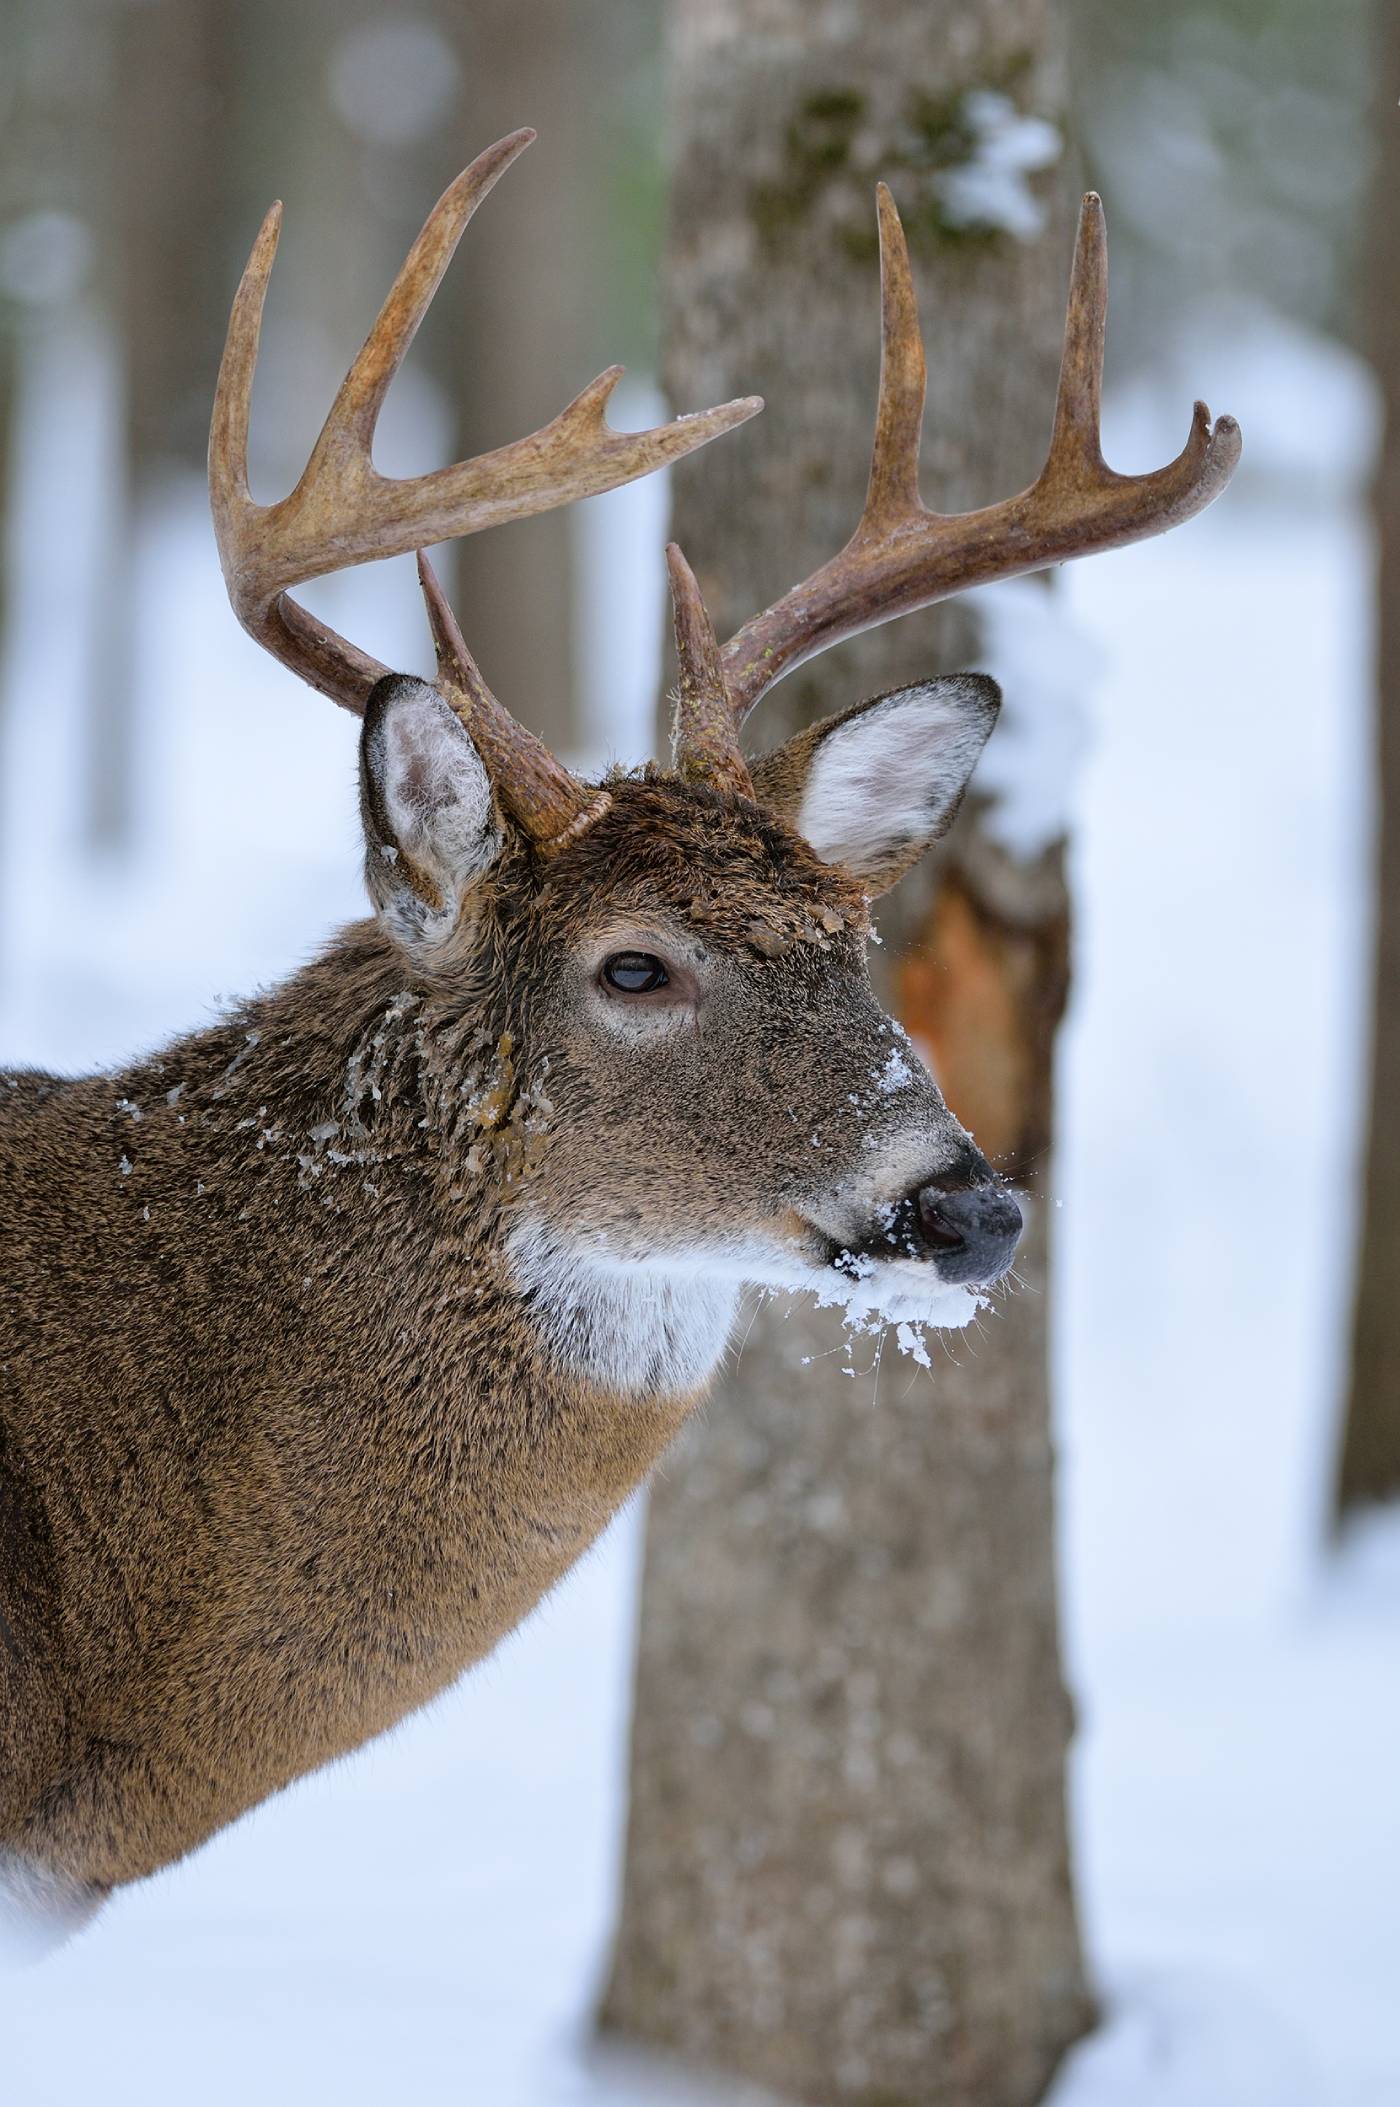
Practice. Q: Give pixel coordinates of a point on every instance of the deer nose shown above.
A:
(971, 1231)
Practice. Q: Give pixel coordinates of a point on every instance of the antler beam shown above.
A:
(343, 511)
(903, 556)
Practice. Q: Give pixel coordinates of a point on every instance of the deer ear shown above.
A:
(429, 819)
(872, 787)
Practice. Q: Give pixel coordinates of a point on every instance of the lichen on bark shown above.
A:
(835, 147)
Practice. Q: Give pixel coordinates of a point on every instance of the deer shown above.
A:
(335, 1332)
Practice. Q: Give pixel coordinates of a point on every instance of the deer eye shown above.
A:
(635, 972)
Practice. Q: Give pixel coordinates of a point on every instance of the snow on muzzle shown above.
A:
(967, 1232)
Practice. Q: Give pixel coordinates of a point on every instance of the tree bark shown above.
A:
(1369, 1464)
(847, 1869)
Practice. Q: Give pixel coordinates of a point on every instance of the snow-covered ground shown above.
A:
(427, 1922)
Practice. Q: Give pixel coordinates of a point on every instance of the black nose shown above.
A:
(972, 1232)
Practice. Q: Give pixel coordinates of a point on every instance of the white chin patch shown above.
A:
(659, 1326)
(646, 1330)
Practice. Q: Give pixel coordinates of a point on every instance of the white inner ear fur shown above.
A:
(437, 794)
(895, 773)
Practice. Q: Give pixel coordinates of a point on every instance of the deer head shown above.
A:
(666, 970)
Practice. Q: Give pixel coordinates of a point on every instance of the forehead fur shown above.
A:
(727, 866)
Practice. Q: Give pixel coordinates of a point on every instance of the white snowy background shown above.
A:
(427, 1922)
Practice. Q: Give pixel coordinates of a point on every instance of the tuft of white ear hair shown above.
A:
(437, 796)
(428, 809)
(893, 775)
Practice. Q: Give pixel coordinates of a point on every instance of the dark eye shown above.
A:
(634, 972)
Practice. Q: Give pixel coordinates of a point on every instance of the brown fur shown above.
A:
(281, 1451)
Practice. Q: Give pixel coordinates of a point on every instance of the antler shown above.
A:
(538, 791)
(902, 556)
(343, 512)
(706, 747)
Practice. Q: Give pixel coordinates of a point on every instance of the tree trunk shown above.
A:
(168, 180)
(1370, 1456)
(847, 1870)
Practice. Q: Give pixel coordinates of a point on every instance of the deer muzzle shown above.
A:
(971, 1233)
(967, 1232)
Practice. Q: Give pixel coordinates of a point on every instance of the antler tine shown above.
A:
(705, 739)
(537, 790)
(893, 493)
(355, 411)
(293, 635)
(233, 391)
(576, 455)
(343, 512)
(229, 496)
(1074, 437)
(902, 556)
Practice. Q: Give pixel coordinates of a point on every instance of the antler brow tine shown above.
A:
(902, 556)
(705, 737)
(537, 790)
(343, 512)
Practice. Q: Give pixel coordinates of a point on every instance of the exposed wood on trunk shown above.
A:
(984, 997)
(847, 1866)
(1369, 1467)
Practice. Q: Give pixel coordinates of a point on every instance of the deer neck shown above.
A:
(403, 1132)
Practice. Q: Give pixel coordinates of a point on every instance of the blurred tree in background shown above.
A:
(1369, 1466)
(847, 1868)
(1254, 105)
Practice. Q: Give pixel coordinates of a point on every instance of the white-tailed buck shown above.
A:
(334, 1333)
